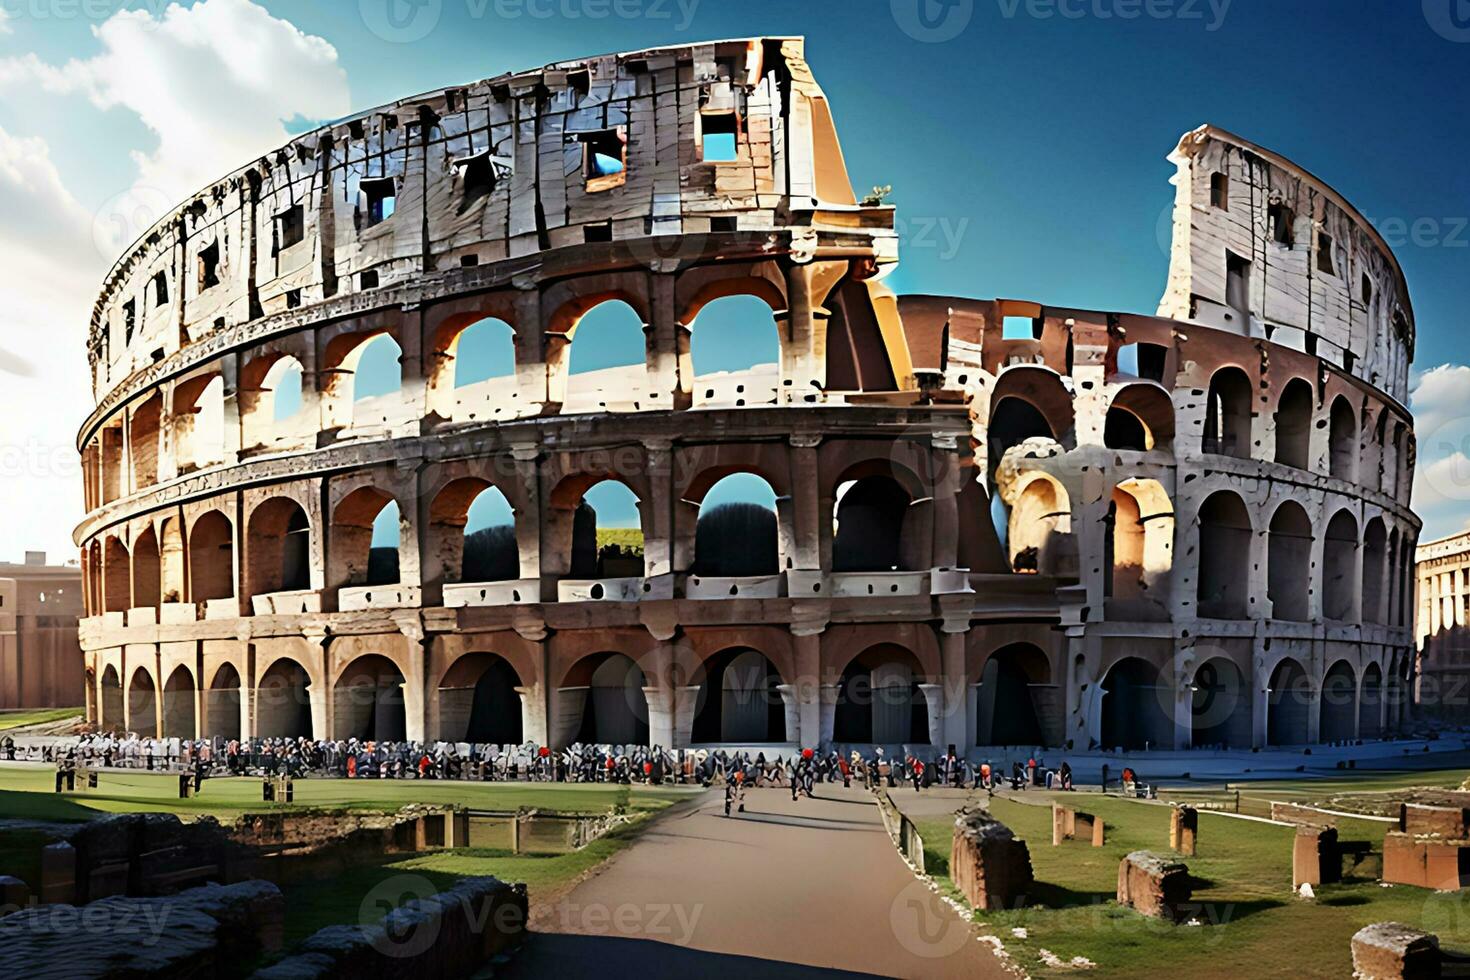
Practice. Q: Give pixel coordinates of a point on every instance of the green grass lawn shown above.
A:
(366, 893)
(1254, 924)
(35, 716)
(28, 793)
(1355, 792)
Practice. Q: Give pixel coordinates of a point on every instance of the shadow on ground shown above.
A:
(611, 958)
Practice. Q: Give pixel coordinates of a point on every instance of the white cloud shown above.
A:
(1440, 402)
(5, 27)
(213, 82)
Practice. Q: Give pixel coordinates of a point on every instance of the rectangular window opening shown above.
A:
(601, 232)
(1237, 282)
(1281, 219)
(369, 279)
(719, 137)
(1220, 191)
(1324, 254)
(160, 289)
(291, 224)
(477, 178)
(209, 266)
(604, 158)
(1367, 290)
(1020, 328)
(130, 320)
(380, 199)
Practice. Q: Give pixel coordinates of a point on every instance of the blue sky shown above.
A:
(1024, 140)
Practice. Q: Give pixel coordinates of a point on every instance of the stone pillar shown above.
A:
(319, 692)
(792, 708)
(658, 517)
(806, 503)
(1154, 886)
(1183, 829)
(533, 715)
(414, 390)
(528, 517)
(1259, 681)
(233, 435)
(662, 344)
(814, 724)
(415, 714)
(958, 729)
(686, 699)
(989, 866)
(934, 699)
(828, 695)
(1314, 856)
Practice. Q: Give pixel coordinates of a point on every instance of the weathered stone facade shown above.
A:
(1070, 527)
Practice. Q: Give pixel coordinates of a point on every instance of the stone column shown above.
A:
(934, 699)
(662, 344)
(320, 692)
(526, 458)
(416, 677)
(828, 695)
(957, 729)
(1260, 682)
(686, 699)
(234, 437)
(533, 715)
(792, 708)
(805, 508)
(658, 512)
(811, 732)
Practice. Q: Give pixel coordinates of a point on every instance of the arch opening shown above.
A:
(879, 700)
(146, 569)
(368, 701)
(1294, 425)
(1224, 557)
(1288, 705)
(607, 533)
(283, 701)
(211, 558)
(178, 705)
(1340, 568)
(1132, 707)
(1370, 703)
(1289, 563)
(738, 701)
(1220, 706)
(736, 532)
(1339, 715)
(1228, 414)
(143, 704)
(279, 547)
(1008, 709)
(112, 700)
(869, 521)
(615, 708)
(222, 704)
(480, 701)
(1343, 440)
(735, 353)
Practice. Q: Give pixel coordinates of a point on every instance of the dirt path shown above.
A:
(806, 889)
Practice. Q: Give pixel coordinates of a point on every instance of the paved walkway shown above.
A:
(806, 889)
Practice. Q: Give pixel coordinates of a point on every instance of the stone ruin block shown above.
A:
(14, 894)
(1183, 830)
(1292, 813)
(451, 934)
(989, 866)
(1425, 862)
(58, 874)
(1450, 822)
(209, 931)
(1154, 885)
(1394, 951)
(1315, 858)
(1070, 824)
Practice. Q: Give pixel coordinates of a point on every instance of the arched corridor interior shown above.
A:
(222, 704)
(1339, 704)
(282, 702)
(478, 701)
(607, 535)
(879, 701)
(736, 532)
(112, 700)
(1006, 709)
(738, 701)
(178, 705)
(1220, 706)
(1370, 703)
(143, 704)
(1289, 705)
(1133, 707)
(615, 711)
(491, 553)
(369, 701)
(868, 532)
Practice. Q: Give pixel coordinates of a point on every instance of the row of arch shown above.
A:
(474, 537)
(1138, 703)
(1363, 576)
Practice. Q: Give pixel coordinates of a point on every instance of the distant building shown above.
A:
(1442, 623)
(40, 655)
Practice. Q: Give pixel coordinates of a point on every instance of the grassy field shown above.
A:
(35, 716)
(1253, 924)
(28, 793)
(1359, 793)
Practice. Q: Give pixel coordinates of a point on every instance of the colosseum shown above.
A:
(992, 522)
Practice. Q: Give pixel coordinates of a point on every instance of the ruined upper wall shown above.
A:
(471, 175)
(1263, 248)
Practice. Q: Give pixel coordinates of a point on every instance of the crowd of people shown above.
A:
(354, 758)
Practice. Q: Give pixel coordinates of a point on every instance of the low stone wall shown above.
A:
(139, 854)
(213, 931)
(1394, 951)
(988, 865)
(1427, 862)
(451, 934)
(1154, 885)
(1070, 824)
(1292, 813)
(1449, 822)
(1315, 857)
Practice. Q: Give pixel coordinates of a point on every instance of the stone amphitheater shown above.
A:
(995, 522)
